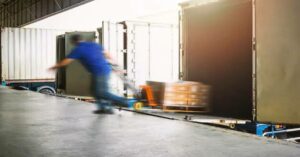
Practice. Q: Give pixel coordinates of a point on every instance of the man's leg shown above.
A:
(96, 87)
(104, 91)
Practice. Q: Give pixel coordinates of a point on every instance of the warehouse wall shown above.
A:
(15, 13)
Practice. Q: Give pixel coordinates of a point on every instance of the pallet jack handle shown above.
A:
(149, 94)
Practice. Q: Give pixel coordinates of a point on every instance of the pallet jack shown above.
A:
(142, 96)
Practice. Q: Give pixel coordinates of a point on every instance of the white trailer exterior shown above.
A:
(27, 53)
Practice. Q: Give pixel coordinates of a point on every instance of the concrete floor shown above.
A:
(182, 115)
(33, 124)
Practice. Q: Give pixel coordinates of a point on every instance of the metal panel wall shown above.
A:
(278, 37)
(78, 79)
(27, 53)
(60, 55)
(217, 50)
(74, 79)
(15, 13)
(152, 51)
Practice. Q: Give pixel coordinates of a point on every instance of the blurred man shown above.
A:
(93, 58)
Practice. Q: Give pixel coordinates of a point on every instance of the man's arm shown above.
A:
(62, 63)
(109, 58)
(75, 54)
(113, 63)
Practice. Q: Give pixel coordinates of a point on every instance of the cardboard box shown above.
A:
(192, 93)
(198, 102)
(195, 95)
(175, 102)
(172, 95)
(176, 88)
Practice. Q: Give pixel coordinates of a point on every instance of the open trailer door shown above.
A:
(278, 61)
(111, 37)
(217, 50)
(73, 80)
(152, 52)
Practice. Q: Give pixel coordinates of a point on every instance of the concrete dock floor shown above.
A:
(33, 124)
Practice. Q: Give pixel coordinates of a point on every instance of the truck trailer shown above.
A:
(26, 54)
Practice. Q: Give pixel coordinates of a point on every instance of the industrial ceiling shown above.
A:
(16, 13)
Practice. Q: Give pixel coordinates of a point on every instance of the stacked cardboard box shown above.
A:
(186, 94)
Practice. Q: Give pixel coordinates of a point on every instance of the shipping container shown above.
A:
(74, 79)
(148, 51)
(26, 54)
(248, 51)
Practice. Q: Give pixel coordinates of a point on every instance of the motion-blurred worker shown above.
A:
(93, 58)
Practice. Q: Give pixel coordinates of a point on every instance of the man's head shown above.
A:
(76, 39)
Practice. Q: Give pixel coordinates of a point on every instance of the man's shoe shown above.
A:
(99, 111)
(131, 102)
(109, 111)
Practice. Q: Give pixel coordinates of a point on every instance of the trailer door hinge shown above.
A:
(181, 46)
(180, 13)
(181, 75)
(254, 44)
(124, 51)
(254, 47)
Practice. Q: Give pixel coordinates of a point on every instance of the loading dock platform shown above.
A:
(33, 124)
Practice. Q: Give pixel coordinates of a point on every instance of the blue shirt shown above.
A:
(92, 58)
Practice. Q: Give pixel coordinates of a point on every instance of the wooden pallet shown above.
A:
(87, 99)
(81, 98)
(183, 108)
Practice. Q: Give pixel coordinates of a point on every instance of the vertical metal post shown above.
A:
(118, 50)
(149, 51)
(117, 42)
(133, 54)
(254, 62)
(125, 55)
(180, 47)
(1, 79)
(108, 37)
(172, 51)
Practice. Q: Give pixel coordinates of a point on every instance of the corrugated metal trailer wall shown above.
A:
(15, 13)
(27, 53)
